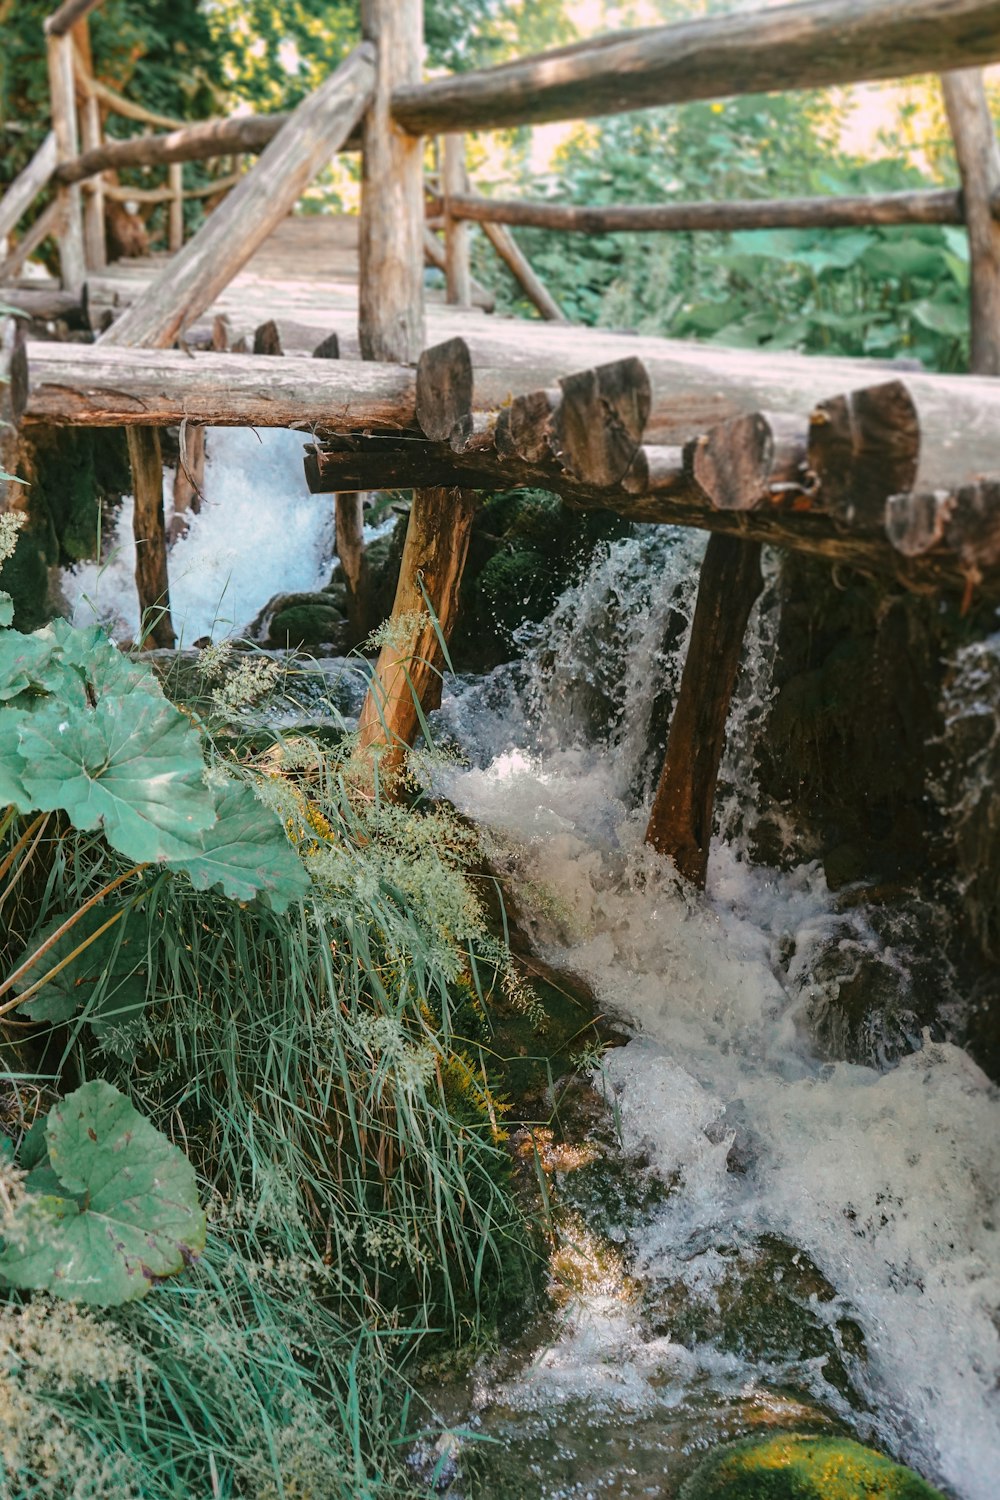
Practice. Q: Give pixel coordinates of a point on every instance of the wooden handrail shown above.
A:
(933, 206)
(117, 103)
(809, 45)
(198, 142)
(65, 18)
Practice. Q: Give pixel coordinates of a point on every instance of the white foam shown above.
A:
(259, 533)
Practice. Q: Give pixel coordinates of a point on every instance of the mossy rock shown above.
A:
(795, 1466)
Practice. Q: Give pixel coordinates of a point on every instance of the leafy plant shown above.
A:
(110, 1209)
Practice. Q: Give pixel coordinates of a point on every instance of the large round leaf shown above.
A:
(109, 975)
(125, 1215)
(246, 851)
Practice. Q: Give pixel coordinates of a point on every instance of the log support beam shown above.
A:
(523, 272)
(155, 626)
(975, 138)
(680, 823)
(458, 274)
(62, 91)
(406, 683)
(349, 523)
(391, 249)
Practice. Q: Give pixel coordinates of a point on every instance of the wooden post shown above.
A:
(94, 232)
(175, 219)
(978, 155)
(62, 90)
(28, 184)
(521, 269)
(189, 482)
(349, 519)
(456, 231)
(13, 395)
(680, 824)
(155, 625)
(391, 288)
(49, 221)
(408, 671)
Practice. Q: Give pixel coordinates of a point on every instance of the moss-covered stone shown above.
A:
(795, 1466)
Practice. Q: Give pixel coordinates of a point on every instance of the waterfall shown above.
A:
(884, 1177)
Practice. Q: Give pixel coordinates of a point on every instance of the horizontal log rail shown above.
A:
(810, 45)
(935, 206)
(119, 194)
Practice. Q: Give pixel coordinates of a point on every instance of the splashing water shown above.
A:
(886, 1180)
(259, 533)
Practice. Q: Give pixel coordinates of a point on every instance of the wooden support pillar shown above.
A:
(680, 824)
(189, 483)
(391, 288)
(91, 136)
(978, 153)
(175, 214)
(350, 531)
(155, 627)
(409, 667)
(13, 396)
(458, 275)
(521, 269)
(62, 91)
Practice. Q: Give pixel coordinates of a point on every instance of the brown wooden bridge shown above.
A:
(896, 472)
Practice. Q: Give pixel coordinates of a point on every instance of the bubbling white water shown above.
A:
(259, 533)
(887, 1180)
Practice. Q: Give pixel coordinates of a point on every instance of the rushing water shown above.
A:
(870, 1194)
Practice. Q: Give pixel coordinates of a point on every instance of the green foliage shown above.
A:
(111, 1209)
(878, 292)
(793, 1466)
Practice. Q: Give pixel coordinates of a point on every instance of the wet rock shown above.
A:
(798, 1466)
(314, 621)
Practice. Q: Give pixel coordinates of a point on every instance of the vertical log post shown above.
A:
(175, 215)
(189, 481)
(349, 522)
(391, 289)
(91, 135)
(155, 626)
(13, 395)
(409, 668)
(458, 276)
(978, 153)
(680, 824)
(62, 90)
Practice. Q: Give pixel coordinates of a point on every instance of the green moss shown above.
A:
(795, 1466)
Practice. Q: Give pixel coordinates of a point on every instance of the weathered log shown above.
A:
(94, 232)
(445, 391)
(116, 103)
(936, 206)
(328, 348)
(62, 92)
(680, 823)
(52, 220)
(864, 447)
(458, 272)
(811, 45)
(13, 395)
(62, 20)
(201, 142)
(267, 339)
(521, 269)
(175, 213)
(965, 523)
(150, 538)
(391, 249)
(656, 470)
(47, 304)
(694, 388)
(349, 525)
(408, 672)
(189, 481)
(978, 152)
(598, 424)
(194, 278)
(27, 185)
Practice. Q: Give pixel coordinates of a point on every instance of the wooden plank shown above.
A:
(27, 185)
(391, 284)
(458, 271)
(810, 45)
(62, 21)
(156, 628)
(209, 261)
(521, 269)
(680, 823)
(975, 138)
(72, 253)
(408, 671)
(937, 206)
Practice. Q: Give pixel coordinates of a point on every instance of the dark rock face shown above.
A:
(310, 621)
